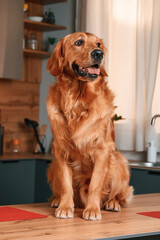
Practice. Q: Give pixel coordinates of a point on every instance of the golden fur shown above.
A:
(88, 171)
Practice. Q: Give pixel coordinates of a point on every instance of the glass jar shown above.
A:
(15, 145)
(32, 42)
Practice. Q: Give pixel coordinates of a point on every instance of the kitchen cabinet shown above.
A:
(11, 39)
(17, 181)
(23, 181)
(42, 189)
(145, 180)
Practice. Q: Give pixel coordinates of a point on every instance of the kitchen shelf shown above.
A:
(41, 26)
(35, 53)
(45, 2)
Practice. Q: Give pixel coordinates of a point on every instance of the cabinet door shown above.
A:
(145, 181)
(42, 189)
(11, 38)
(17, 181)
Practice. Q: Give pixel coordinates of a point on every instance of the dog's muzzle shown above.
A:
(92, 71)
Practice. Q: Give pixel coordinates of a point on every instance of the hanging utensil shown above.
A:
(33, 124)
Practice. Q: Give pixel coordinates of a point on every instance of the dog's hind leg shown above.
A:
(121, 199)
(55, 202)
(117, 186)
(112, 205)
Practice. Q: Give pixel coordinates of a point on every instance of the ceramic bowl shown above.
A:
(35, 18)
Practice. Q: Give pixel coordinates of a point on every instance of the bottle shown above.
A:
(151, 152)
(33, 42)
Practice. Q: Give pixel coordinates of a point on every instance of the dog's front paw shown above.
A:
(64, 212)
(91, 214)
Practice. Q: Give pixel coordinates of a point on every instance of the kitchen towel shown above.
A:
(150, 214)
(15, 214)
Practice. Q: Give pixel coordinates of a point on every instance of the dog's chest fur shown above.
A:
(87, 110)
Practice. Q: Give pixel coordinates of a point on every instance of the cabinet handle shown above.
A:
(154, 172)
(10, 161)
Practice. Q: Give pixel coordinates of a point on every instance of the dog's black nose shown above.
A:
(97, 54)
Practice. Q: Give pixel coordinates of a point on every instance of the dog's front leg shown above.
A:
(66, 205)
(92, 210)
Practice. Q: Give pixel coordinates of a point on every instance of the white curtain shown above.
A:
(131, 32)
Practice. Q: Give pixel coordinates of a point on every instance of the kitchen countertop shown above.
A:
(145, 165)
(23, 156)
(114, 225)
(47, 156)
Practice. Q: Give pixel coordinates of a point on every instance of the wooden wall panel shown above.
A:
(18, 100)
(32, 69)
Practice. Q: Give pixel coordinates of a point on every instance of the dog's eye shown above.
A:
(78, 43)
(98, 45)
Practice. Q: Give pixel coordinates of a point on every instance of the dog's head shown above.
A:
(78, 54)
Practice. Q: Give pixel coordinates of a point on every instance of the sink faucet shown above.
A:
(154, 119)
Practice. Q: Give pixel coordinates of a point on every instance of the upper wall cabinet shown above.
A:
(11, 39)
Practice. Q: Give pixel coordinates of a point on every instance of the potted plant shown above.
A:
(52, 41)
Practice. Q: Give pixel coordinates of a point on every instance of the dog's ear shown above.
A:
(103, 71)
(54, 63)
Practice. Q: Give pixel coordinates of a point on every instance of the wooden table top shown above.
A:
(113, 225)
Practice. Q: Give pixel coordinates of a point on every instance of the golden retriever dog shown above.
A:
(88, 171)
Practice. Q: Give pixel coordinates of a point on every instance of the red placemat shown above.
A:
(14, 214)
(150, 214)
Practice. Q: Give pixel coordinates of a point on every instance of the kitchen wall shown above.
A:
(65, 16)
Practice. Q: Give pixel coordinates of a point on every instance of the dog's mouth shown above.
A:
(91, 72)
